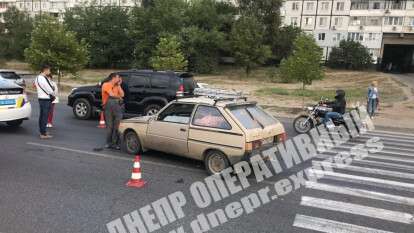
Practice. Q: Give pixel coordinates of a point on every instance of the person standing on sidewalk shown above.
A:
(112, 103)
(52, 107)
(46, 95)
(373, 98)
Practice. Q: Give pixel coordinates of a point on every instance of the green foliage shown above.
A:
(168, 55)
(105, 29)
(15, 33)
(350, 55)
(53, 44)
(247, 44)
(304, 63)
(285, 38)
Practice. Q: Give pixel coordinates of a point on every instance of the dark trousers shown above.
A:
(44, 105)
(113, 116)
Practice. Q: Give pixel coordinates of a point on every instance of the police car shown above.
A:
(14, 105)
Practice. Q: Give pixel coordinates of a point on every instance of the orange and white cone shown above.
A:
(102, 124)
(136, 180)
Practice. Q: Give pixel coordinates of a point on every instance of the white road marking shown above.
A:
(388, 215)
(367, 170)
(360, 193)
(390, 184)
(389, 135)
(330, 226)
(112, 156)
(351, 144)
(385, 152)
(392, 133)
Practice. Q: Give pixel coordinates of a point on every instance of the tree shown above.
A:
(304, 65)
(53, 44)
(246, 40)
(106, 30)
(168, 55)
(15, 33)
(350, 55)
(285, 38)
(268, 13)
(148, 24)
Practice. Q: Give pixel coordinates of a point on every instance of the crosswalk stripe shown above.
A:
(389, 135)
(351, 144)
(392, 133)
(360, 193)
(386, 152)
(404, 145)
(356, 209)
(391, 139)
(367, 170)
(390, 184)
(391, 158)
(330, 226)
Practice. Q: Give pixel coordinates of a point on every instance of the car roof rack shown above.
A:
(218, 95)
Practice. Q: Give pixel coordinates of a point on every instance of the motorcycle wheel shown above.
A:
(302, 125)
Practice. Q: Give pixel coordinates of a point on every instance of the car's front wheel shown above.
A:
(132, 143)
(215, 162)
(15, 123)
(82, 109)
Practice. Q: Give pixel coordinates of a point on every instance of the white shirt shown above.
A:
(374, 95)
(43, 87)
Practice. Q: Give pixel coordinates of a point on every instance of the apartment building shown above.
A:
(57, 7)
(385, 27)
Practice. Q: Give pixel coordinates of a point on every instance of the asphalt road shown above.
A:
(64, 185)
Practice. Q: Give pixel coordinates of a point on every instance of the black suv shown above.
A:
(146, 92)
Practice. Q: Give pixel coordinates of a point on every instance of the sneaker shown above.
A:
(46, 136)
(49, 125)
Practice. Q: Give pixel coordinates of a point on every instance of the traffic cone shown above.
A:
(102, 124)
(136, 180)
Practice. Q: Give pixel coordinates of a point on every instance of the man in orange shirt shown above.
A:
(112, 101)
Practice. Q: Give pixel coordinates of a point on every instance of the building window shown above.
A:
(355, 36)
(295, 6)
(338, 21)
(359, 5)
(325, 6)
(336, 37)
(321, 36)
(294, 21)
(372, 36)
(309, 6)
(355, 21)
(308, 21)
(323, 21)
(376, 6)
(340, 6)
(393, 21)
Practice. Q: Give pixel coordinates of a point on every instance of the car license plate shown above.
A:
(268, 140)
(7, 102)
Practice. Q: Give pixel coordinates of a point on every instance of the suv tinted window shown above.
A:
(160, 81)
(177, 113)
(138, 81)
(211, 117)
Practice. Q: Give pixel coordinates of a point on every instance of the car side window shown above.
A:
(138, 81)
(160, 81)
(207, 116)
(177, 113)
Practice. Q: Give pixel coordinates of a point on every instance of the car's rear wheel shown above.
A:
(82, 109)
(215, 162)
(15, 123)
(132, 143)
(152, 109)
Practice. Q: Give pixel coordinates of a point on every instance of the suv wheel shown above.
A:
(215, 162)
(82, 109)
(132, 144)
(152, 109)
(15, 123)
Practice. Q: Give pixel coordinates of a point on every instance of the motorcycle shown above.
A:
(313, 116)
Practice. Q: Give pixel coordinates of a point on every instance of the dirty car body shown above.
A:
(220, 133)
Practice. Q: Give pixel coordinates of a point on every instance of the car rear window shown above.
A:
(9, 75)
(252, 117)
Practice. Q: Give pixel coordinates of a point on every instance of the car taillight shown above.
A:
(180, 91)
(253, 145)
(282, 137)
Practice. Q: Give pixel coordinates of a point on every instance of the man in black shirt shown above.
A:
(338, 106)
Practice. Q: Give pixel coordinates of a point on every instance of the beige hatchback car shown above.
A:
(220, 132)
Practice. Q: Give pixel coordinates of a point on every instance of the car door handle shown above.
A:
(183, 130)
